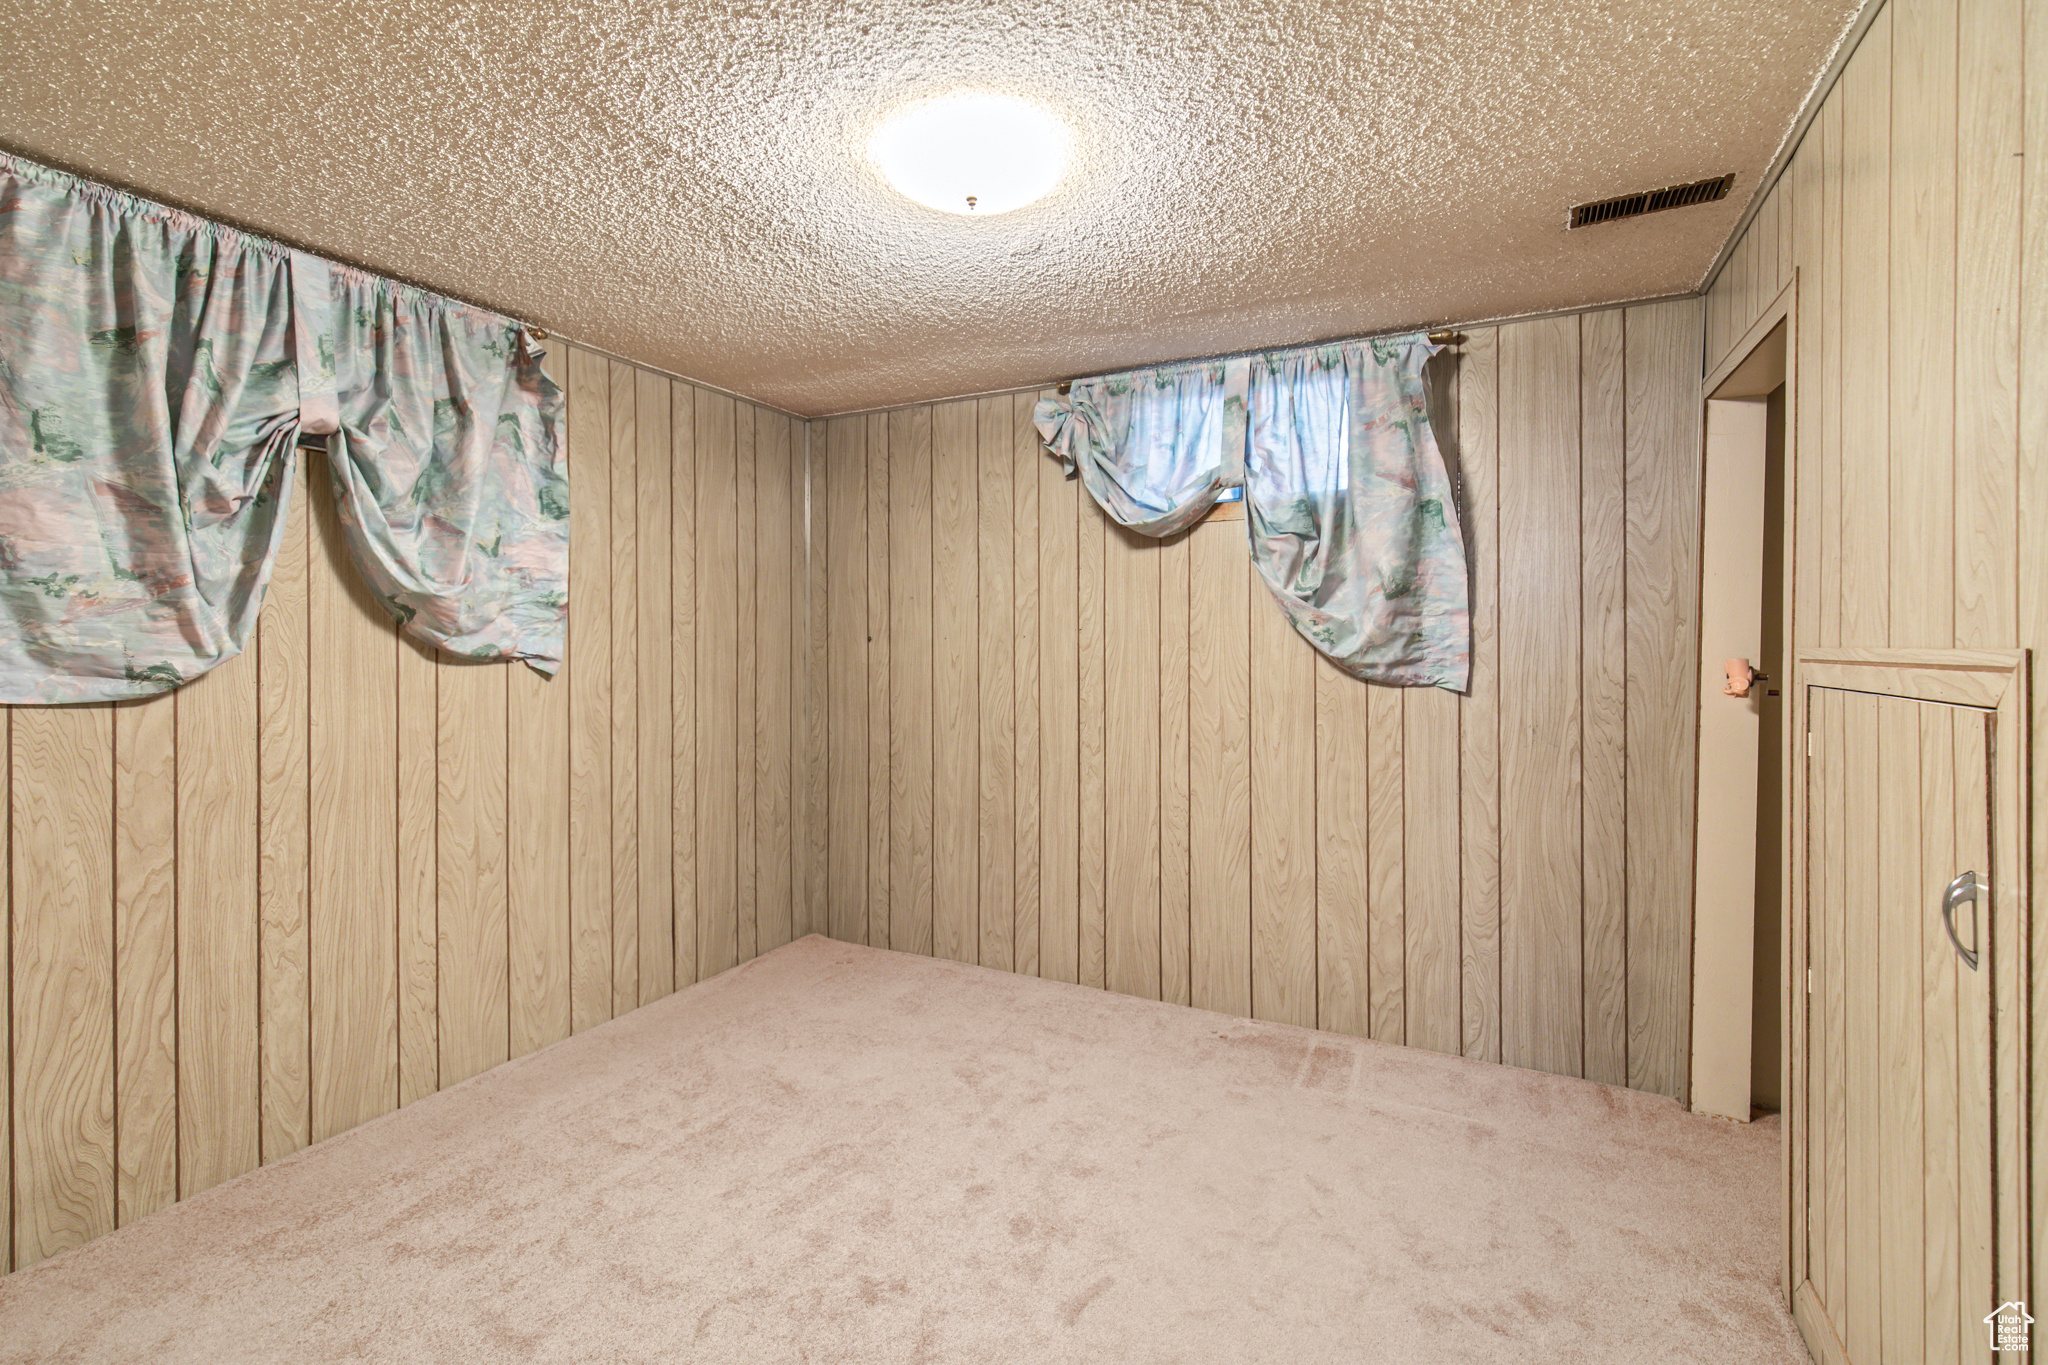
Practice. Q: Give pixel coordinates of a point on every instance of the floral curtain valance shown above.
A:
(1154, 447)
(156, 371)
(1349, 508)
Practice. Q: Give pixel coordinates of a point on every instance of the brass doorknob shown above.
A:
(1741, 677)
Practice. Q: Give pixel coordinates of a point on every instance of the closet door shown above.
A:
(1899, 1085)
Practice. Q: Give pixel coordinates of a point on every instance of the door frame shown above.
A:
(1732, 540)
(1997, 681)
(1783, 309)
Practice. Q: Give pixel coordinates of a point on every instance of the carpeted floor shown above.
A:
(839, 1154)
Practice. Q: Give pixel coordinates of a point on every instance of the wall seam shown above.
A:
(1627, 902)
(114, 967)
(1580, 431)
(7, 1025)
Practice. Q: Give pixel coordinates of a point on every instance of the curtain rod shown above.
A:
(175, 205)
(1443, 336)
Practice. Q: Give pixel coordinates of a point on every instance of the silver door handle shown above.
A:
(1963, 888)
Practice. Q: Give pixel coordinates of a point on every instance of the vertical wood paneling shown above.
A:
(876, 930)
(683, 523)
(1478, 393)
(2032, 529)
(1386, 840)
(1985, 364)
(816, 677)
(1919, 490)
(1026, 477)
(1942, 1319)
(1923, 322)
(1059, 730)
(1603, 656)
(1834, 1128)
(1014, 641)
(145, 962)
(1130, 763)
(1827, 534)
(1975, 1276)
(955, 743)
(1093, 530)
(1768, 276)
(537, 859)
(622, 545)
(1788, 231)
(1344, 771)
(1716, 305)
(1283, 843)
(774, 691)
(61, 802)
(1661, 466)
(1860, 1307)
(143, 832)
(1429, 859)
(1827, 1085)
(1866, 338)
(1174, 869)
(746, 623)
(996, 701)
(717, 640)
(218, 1089)
(1220, 782)
(1900, 1122)
(338, 873)
(418, 725)
(470, 857)
(1221, 818)
(1808, 168)
(589, 675)
(654, 748)
(910, 680)
(352, 913)
(1542, 970)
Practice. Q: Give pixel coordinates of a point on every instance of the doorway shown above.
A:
(1738, 1035)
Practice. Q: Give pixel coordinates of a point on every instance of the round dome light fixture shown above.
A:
(972, 152)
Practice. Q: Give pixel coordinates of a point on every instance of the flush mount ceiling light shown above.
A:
(972, 152)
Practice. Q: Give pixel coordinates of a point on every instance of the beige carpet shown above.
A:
(839, 1154)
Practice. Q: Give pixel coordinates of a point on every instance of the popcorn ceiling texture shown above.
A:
(683, 182)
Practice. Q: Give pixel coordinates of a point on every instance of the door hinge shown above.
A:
(1809, 981)
(1809, 744)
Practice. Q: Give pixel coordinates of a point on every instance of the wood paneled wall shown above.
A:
(1052, 747)
(1904, 213)
(1915, 213)
(339, 872)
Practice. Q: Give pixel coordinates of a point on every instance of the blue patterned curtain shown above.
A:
(447, 471)
(1349, 509)
(1155, 447)
(155, 373)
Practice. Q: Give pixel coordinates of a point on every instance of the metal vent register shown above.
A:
(1651, 201)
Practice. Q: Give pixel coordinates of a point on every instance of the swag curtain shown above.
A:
(1349, 513)
(156, 371)
(1154, 447)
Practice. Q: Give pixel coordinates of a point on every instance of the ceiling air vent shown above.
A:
(1651, 201)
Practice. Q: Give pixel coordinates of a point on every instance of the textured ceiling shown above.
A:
(682, 182)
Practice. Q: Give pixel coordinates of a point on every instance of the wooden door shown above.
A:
(1899, 1148)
